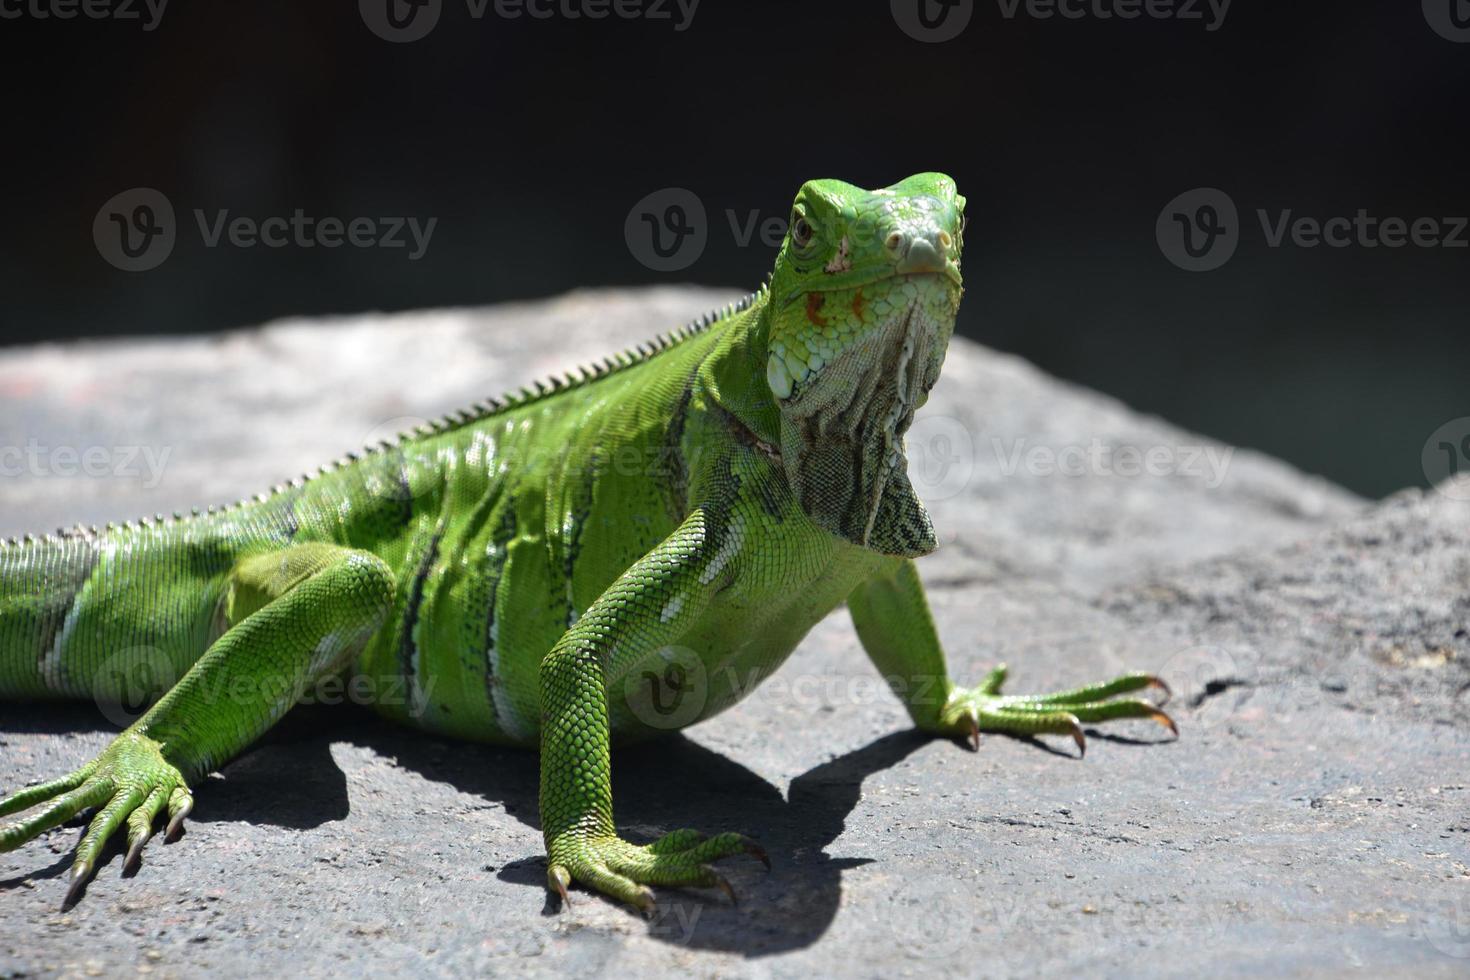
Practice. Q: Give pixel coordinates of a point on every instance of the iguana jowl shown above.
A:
(594, 561)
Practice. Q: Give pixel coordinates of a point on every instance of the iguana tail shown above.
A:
(40, 582)
(116, 615)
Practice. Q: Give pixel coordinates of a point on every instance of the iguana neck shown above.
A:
(734, 373)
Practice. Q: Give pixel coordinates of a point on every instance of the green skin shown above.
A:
(593, 562)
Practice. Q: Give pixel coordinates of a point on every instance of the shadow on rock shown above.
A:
(660, 785)
(53, 718)
(673, 782)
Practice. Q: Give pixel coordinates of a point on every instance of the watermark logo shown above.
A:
(932, 21)
(667, 688)
(1208, 465)
(933, 916)
(406, 21)
(401, 21)
(1446, 459)
(1363, 230)
(394, 481)
(667, 231)
(129, 681)
(150, 12)
(306, 231)
(936, 21)
(1448, 927)
(135, 230)
(1196, 673)
(675, 921)
(36, 459)
(1211, 13)
(1199, 230)
(941, 456)
(1450, 19)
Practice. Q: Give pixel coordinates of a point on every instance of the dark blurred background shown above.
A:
(531, 139)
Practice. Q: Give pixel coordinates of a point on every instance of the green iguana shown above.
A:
(589, 562)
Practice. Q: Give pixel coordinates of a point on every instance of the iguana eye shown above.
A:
(801, 231)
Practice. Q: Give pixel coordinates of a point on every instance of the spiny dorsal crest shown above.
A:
(540, 389)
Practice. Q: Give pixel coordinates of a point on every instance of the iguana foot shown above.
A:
(130, 781)
(624, 871)
(971, 711)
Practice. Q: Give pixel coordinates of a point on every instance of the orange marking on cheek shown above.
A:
(858, 303)
(814, 303)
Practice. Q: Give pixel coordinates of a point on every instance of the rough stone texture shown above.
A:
(1312, 819)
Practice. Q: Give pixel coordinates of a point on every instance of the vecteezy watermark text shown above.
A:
(1200, 230)
(304, 231)
(35, 459)
(405, 21)
(1211, 13)
(1207, 464)
(132, 679)
(150, 12)
(136, 230)
(936, 21)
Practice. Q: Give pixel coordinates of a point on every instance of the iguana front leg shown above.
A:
(295, 615)
(893, 622)
(648, 606)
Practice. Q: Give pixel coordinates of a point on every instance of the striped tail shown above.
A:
(40, 582)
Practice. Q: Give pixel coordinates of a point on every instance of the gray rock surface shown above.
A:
(1313, 818)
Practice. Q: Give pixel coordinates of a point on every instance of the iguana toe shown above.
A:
(983, 708)
(180, 805)
(624, 871)
(129, 782)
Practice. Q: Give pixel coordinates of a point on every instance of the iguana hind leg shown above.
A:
(294, 616)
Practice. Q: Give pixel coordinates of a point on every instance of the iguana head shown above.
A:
(863, 302)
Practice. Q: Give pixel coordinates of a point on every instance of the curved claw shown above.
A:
(135, 853)
(1075, 727)
(81, 873)
(974, 734)
(558, 877)
(645, 902)
(1166, 721)
(177, 813)
(759, 853)
(724, 886)
(1158, 682)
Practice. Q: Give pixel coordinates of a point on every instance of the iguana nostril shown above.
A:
(895, 241)
(922, 256)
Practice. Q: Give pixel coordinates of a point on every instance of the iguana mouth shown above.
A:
(861, 280)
